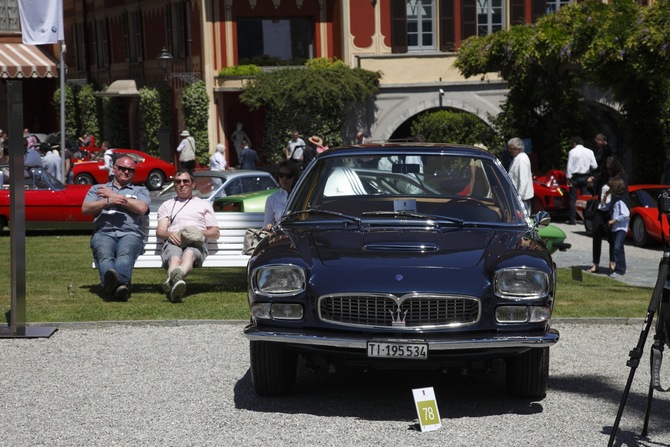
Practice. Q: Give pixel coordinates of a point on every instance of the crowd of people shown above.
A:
(186, 222)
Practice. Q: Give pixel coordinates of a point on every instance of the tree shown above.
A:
(315, 100)
(618, 46)
(196, 115)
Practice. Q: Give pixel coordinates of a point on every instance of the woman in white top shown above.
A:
(287, 174)
(217, 162)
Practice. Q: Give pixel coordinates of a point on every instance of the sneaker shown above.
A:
(167, 285)
(122, 293)
(615, 275)
(176, 274)
(111, 281)
(177, 291)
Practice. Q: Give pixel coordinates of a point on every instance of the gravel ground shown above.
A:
(189, 384)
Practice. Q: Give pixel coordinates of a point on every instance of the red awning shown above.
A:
(25, 61)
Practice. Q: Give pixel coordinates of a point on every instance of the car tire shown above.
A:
(273, 368)
(84, 179)
(527, 374)
(155, 180)
(639, 231)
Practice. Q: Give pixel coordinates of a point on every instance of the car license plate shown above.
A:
(398, 350)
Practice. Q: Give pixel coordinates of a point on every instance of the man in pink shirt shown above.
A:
(185, 223)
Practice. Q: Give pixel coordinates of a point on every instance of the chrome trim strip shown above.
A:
(548, 338)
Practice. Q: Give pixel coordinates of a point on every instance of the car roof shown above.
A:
(405, 148)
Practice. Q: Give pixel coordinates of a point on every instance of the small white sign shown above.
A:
(426, 408)
(405, 205)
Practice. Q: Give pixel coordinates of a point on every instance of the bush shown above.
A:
(240, 70)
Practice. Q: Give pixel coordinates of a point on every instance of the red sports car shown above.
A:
(644, 219)
(49, 203)
(551, 192)
(150, 171)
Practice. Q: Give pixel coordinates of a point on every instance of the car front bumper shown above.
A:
(435, 342)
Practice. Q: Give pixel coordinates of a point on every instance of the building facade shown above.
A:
(412, 42)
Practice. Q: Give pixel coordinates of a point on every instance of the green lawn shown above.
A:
(61, 286)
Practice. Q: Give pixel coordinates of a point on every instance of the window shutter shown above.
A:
(469, 18)
(517, 12)
(447, 26)
(538, 9)
(399, 26)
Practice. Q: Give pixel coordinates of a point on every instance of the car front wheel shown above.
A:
(155, 180)
(639, 230)
(273, 368)
(84, 179)
(527, 373)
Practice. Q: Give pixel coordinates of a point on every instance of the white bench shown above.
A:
(225, 252)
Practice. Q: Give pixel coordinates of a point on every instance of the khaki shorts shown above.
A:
(170, 250)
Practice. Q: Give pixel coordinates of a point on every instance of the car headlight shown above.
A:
(521, 283)
(279, 280)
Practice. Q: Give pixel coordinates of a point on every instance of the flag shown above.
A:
(41, 21)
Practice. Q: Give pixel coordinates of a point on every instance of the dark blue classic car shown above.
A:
(402, 256)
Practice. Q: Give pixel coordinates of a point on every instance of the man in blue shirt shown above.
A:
(121, 222)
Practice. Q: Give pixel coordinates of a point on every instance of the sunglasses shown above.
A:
(180, 181)
(287, 175)
(124, 169)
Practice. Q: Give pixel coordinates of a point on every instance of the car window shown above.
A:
(645, 197)
(467, 188)
(234, 186)
(204, 186)
(257, 183)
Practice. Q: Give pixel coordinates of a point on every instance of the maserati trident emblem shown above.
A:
(398, 317)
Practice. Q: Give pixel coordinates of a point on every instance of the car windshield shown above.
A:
(409, 186)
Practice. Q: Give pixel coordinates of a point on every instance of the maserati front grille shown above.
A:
(416, 311)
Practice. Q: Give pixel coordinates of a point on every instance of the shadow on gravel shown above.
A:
(634, 411)
(388, 395)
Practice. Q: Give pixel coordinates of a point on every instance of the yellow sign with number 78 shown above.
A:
(426, 408)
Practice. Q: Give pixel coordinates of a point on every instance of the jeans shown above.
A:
(118, 253)
(600, 230)
(619, 256)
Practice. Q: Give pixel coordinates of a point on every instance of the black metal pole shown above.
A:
(636, 353)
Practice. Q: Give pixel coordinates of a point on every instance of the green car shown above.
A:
(251, 202)
(554, 238)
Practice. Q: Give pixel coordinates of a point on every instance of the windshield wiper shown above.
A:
(414, 215)
(357, 220)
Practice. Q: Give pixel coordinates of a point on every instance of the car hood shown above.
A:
(449, 248)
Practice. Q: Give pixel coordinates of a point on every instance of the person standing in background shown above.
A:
(619, 219)
(581, 163)
(249, 157)
(294, 148)
(186, 151)
(217, 162)
(520, 172)
(360, 138)
(108, 157)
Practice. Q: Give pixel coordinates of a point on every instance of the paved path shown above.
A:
(642, 263)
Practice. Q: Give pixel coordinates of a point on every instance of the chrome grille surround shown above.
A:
(416, 310)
